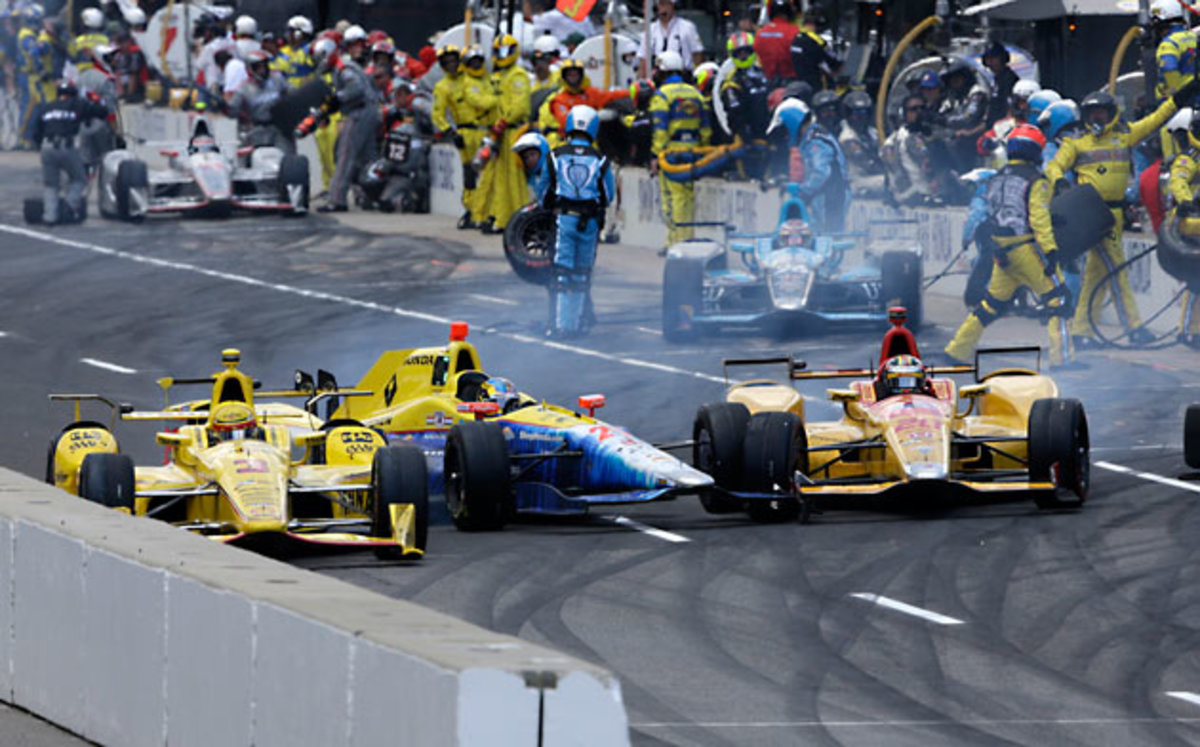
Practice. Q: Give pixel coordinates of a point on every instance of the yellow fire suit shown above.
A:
(1018, 198)
(29, 65)
(295, 64)
(679, 120)
(1176, 61)
(326, 137)
(474, 110)
(1182, 186)
(503, 179)
(1103, 161)
(80, 49)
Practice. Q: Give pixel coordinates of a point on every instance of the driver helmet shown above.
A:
(501, 391)
(903, 374)
(793, 233)
(232, 420)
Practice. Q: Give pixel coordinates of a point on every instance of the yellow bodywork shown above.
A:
(910, 435)
(229, 486)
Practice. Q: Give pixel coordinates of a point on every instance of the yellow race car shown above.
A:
(231, 473)
(904, 427)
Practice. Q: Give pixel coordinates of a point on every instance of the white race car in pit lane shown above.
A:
(201, 178)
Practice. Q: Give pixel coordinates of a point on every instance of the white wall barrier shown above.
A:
(129, 631)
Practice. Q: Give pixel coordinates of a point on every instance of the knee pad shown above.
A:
(1066, 302)
(990, 309)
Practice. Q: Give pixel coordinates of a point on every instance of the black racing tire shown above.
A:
(776, 446)
(903, 276)
(34, 209)
(1191, 436)
(478, 490)
(399, 475)
(107, 479)
(682, 299)
(50, 460)
(1178, 255)
(530, 242)
(293, 171)
(131, 175)
(1059, 447)
(717, 436)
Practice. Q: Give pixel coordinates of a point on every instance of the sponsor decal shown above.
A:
(439, 418)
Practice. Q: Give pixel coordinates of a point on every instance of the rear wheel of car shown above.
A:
(902, 280)
(1059, 452)
(682, 299)
(478, 491)
(776, 447)
(33, 210)
(293, 177)
(717, 436)
(107, 479)
(132, 177)
(399, 476)
(1191, 436)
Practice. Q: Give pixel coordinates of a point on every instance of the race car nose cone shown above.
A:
(926, 471)
(686, 477)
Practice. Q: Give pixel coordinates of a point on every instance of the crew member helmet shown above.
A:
(741, 49)
(245, 26)
(583, 119)
(1060, 119)
(1025, 143)
(1040, 100)
(669, 62)
(1098, 111)
(300, 25)
(505, 51)
(93, 18)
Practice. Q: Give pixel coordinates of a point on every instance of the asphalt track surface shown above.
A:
(925, 624)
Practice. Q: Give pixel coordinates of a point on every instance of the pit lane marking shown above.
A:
(1168, 481)
(108, 366)
(493, 299)
(354, 302)
(662, 534)
(908, 609)
(1185, 696)
(816, 724)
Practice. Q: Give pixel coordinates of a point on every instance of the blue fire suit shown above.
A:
(826, 185)
(581, 184)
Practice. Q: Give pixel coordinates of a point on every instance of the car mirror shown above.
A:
(304, 382)
(174, 440)
(972, 391)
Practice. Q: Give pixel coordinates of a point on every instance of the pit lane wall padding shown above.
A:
(129, 631)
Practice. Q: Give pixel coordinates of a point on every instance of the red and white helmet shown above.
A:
(1025, 143)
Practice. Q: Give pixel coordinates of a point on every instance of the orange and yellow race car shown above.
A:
(905, 427)
(230, 472)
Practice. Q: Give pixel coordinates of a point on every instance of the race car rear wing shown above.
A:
(118, 409)
(793, 365)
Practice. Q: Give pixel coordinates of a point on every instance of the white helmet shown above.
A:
(322, 50)
(245, 26)
(669, 62)
(301, 24)
(134, 16)
(93, 18)
(546, 44)
(354, 34)
(1181, 121)
(1166, 10)
(1024, 88)
(529, 140)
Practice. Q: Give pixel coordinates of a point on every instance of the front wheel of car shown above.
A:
(132, 186)
(399, 476)
(107, 479)
(1059, 452)
(478, 490)
(776, 447)
(293, 183)
(1191, 436)
(717, 436)
(682, 299)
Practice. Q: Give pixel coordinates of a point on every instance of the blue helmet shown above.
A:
(583, 119)
(930, 79)
(1025, 143)
(1040, 100)
(1057, 116)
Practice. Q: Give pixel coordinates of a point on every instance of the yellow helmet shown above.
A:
(572, 64)
(449, 49)
(232, 417)
(505, 51)
(474, 61)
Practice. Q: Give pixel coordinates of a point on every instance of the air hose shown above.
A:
(1160, 342)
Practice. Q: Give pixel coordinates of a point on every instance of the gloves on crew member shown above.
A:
(1188, 209)
(1186, 95)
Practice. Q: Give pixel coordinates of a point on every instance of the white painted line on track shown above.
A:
(662, 534)
(649, 331)
(493, 299)
(908, 609)
(814, 724)
(354, 302)
(1184, 695)
(1169, 481)
(1138, 447)
(108, 366)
